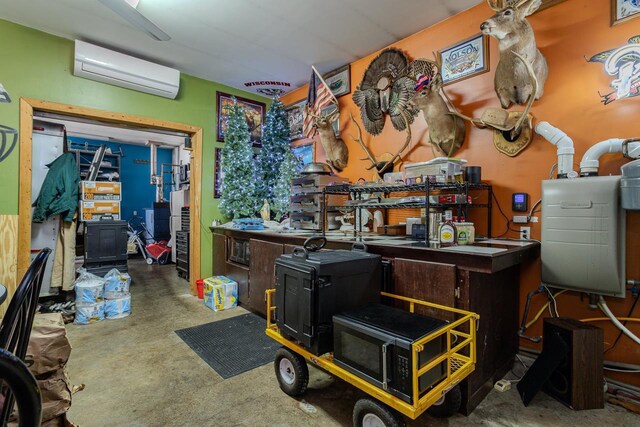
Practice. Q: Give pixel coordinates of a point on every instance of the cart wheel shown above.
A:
(371, 413)
(448, 405)
(163, 259)
(291, 371)
(149, 260)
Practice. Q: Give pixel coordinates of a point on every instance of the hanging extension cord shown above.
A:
(605, 309)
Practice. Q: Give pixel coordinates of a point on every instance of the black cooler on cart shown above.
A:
(312, 286)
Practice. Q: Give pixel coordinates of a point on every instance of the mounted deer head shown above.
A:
(382, 166)
(334, 147)
(446, 131)
(515, 36)
(511, 129)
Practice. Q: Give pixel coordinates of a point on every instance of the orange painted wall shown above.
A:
(565, 33)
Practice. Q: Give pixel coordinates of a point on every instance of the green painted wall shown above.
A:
(34, 64)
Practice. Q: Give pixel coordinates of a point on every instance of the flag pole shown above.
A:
(325, 83)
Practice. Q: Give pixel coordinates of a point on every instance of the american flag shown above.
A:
(319, 96)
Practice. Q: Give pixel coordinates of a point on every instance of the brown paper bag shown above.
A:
(56, 393)
(49, 348)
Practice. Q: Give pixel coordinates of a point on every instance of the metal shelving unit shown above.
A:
(181, 245)
(84, 153)
(427, 188)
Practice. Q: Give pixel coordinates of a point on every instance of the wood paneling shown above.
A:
(109, 116)
(8, 256)
(195, 194)
(24, 198)
(427, 281)
(262, 274)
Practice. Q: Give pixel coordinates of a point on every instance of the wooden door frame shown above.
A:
(27, 107)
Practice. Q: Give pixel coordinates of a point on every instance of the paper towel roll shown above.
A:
(118, 308)
(89, 313)
(89, 291)
(116, 284)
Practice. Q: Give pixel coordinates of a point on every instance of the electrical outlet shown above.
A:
(525, 233)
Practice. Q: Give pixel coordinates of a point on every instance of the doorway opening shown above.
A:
(186, 141)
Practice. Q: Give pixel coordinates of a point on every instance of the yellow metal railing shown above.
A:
(458, 365)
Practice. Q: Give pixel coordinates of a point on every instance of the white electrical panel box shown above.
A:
(583, 235)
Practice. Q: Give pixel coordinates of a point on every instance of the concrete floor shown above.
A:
(138, 372)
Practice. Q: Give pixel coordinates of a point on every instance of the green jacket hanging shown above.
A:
(59, 192)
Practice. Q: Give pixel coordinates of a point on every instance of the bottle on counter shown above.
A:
(466, 233)
(447, 232)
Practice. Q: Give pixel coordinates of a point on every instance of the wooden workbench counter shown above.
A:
(483, 279)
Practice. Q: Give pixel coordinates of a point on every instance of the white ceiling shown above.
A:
(236, 41)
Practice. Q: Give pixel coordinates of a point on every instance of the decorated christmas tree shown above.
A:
(238, 198)
(282, 189)
(275, 144)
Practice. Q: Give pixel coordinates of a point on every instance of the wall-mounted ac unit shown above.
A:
(104, 65)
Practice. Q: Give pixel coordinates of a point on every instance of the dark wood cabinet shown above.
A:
(428, 281)
(219, 253)
(262, 272)
(239, 274)
(487, 284)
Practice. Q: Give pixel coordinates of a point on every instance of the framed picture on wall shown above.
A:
(217, 174)
(339, 80)
(624, 10)
(254, 111)
(305, 152)
(295, 116)
(465, 59)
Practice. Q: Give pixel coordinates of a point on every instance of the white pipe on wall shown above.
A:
(605, 309)
(564, 144)
(153, 163)
(591, 159)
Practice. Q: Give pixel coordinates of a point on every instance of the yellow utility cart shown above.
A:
(386, 410)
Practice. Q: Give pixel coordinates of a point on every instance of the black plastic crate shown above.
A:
(313, 286)
(105, 241)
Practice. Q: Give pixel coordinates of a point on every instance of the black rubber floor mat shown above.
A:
(232, 346)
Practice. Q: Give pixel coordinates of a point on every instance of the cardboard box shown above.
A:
(94, 210)
(100, 190)
(220, 293)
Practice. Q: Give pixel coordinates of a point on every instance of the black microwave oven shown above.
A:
(374, 343)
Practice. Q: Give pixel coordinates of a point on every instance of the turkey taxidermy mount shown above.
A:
(385, 90)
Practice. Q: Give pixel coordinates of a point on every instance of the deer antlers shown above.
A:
(498, 5)
(491, 115)
(372, 159)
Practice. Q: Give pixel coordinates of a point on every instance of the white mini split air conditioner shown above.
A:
(104, 65)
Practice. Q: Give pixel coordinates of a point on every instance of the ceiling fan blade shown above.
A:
(135, 18)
